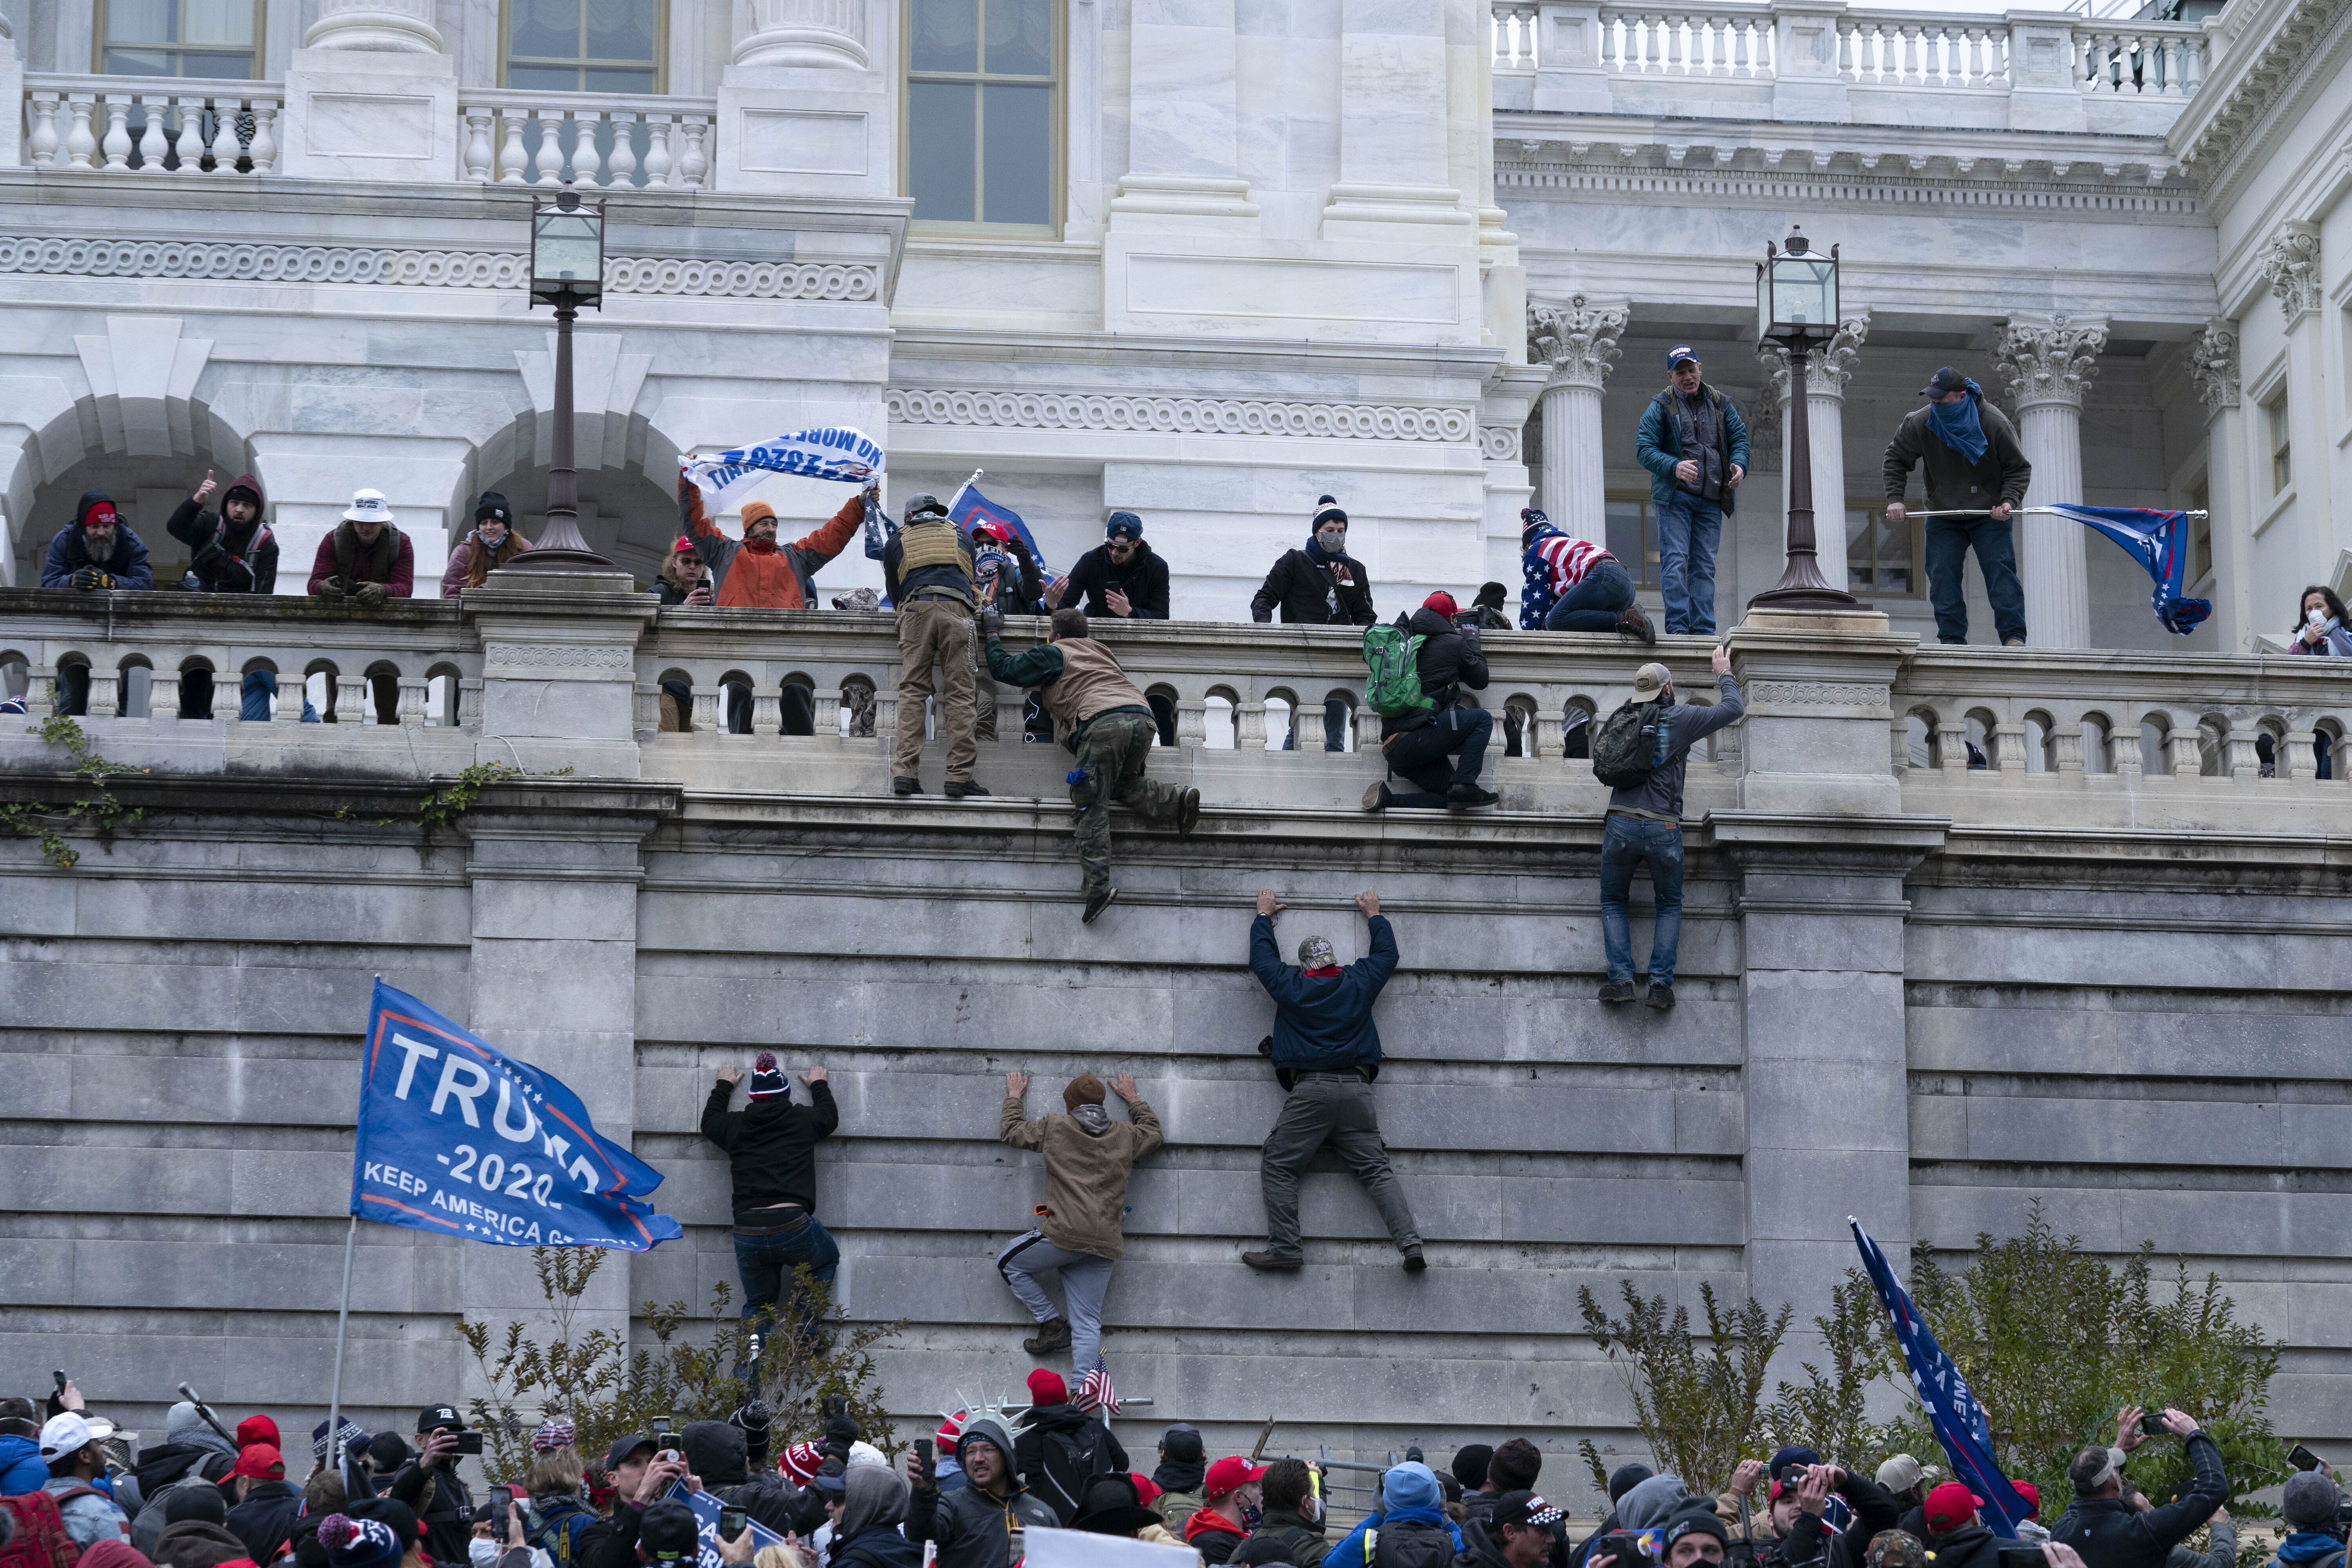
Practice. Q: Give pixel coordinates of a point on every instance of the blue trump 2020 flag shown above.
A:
(458, 1138)
(971, 507)
(1952, 1409)
(2158, 541)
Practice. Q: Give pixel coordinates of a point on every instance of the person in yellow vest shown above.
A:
(928, 569)
(1100, 714)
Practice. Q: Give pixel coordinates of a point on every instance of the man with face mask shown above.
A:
(973, 1524)
(1645, 824)
(1319, 586)
(1236, 1493)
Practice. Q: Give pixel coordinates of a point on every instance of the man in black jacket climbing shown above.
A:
(771, 1147)
(1417, 743)
(2106, 1526)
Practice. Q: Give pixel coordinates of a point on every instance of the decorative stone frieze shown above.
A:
(1182, 416)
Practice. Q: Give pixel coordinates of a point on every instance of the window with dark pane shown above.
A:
(1881, 557)
(180, 37)
(1632, 526)
(982, 93)
(585, 45)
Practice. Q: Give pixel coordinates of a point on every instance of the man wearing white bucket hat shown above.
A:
(366, 560)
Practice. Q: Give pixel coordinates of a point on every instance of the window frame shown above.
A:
(2278, 409)
(506, 51)
(99, 44)
(2202, 560)
(1876, 513)
(1057, 133)
(1647, 572)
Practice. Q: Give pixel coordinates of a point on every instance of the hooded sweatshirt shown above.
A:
(1411, 1521)
(225, 557)
(21, 1470)
(1085, 1174)
(973, 1527)
(772, 1144)
(1649, 1502)
(69, 551)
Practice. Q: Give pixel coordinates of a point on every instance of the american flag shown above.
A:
(1095, 1392)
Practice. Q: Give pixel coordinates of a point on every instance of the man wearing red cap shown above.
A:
(1233, 1489)
(1959, 1538)
(266, 1501)
(97, 552)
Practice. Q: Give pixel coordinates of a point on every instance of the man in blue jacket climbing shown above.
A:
(1326, 1052)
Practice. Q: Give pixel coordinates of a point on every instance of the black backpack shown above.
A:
(1069, 1460)
(1632, 744)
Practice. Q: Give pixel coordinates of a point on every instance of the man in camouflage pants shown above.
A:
(1098, 714)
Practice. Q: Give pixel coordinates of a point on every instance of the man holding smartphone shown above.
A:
(2106, 1524)
(429, 1483)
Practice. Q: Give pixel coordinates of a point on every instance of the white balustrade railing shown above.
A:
(1723, 42)
(150, 125)
(1511, 26)
(1909, 50)
(2156, 59)
(528, 137)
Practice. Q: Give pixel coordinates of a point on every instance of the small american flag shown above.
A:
(1095, 1392)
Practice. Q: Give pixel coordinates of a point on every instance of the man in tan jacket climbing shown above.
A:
(1088, 1158)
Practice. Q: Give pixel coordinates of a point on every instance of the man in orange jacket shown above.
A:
(757, 572)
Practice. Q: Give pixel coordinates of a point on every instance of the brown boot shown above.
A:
(1052, 1334)
(1272, 1262)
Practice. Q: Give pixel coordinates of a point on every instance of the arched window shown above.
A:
(983, 121)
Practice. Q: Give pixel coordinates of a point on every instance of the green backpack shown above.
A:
(1394, 656)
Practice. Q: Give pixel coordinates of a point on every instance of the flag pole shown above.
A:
(954, 499)
(343, 1321)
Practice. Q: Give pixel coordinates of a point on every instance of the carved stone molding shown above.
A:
(2254, 86)
(819, 33)
(1578, 340)
(1818, 694)
(2291, 266)
(208, 259)
(2213, 364)
(1827, 372)
(2049, 362)
(1498, 443)
(395, 26)
(1180, 415)
(564, 658)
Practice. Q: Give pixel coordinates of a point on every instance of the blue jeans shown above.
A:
(766, 1263)
(1593, 605)
(1419, 755)
(260, 686)
(1625, 842)
(1335, 727)
(1948, 543)
(1688, 530)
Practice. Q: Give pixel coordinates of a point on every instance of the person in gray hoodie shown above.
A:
(973, 1526)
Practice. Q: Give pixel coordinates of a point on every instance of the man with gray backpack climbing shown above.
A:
(1641, 753)
(1417, 668)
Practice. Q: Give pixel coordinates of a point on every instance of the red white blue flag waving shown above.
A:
(2158, 541)
(458, 1138)
(1958, 1420)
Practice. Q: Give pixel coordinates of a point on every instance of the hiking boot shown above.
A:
(1616, 991)
(906, 786)
(1413, 1261)
(1189, 815)
(963, 789)
(1052, 1334)
(1097, 903)
(1463, 797)
(1660, 997)
(1269, 1261)
(1632, 623)
(1379, 797)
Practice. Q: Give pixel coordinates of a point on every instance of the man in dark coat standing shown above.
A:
(1321, 585)
(1326, 1052)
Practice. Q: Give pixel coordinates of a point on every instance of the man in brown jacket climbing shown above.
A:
(1088, 1158)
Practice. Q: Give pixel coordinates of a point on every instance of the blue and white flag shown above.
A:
(706, 1516)
(1958, 1420)
(971, 508)
(459, 1139)
(2158, 541)
(838, 452)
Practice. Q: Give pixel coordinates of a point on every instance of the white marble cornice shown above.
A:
(2213, 364)
(2290, 265)
(1177, 415)
(2049, 362)
(2273, 45)
(1577, 340)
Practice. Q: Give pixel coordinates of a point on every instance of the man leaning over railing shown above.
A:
(365, 563)
(97, 551)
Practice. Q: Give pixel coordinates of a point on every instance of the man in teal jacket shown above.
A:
(1326, 1052)
(1694, 445)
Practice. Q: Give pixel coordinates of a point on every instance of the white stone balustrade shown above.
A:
(594, 139)
(1906, 49)
(120, 125)
(1720, 41)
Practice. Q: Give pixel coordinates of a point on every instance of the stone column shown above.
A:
(559, 670)
(2049, 365)
(1184, 121)
(391, 26)
(370, 96)
(1821, 912)
(2213, 366)
(2290, 265)
(1579, 341)
(814, 33)
(1394, 117)
(1826, 374)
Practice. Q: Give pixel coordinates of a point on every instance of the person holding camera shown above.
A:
(973, 1525)
(2106, 1524)
(431, 1488)
(1801, 1537)
(641, 1472)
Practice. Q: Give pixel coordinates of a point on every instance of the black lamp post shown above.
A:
(567, 272)
(1796, 307)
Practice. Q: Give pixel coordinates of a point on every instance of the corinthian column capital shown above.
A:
(2049, 362)
(1578, 340)
(2213, 364)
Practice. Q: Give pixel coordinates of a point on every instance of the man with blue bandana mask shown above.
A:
(1973, 464)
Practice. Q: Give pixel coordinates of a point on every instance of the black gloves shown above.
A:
(91, 577)
(992, 622)
(840, 1431)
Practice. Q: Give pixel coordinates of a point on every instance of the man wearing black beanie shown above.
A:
(1182, 1465)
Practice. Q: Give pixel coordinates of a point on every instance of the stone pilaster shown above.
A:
(2049, 365)
(2213, 367)
(2291, 266)
(371, 96)
(1184, 165)
(1395, 171)
(1579, 341)
(559, 670)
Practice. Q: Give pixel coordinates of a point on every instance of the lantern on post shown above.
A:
(567, 272)
(1796, 307)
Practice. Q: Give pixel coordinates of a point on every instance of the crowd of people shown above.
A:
(78, 1494)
